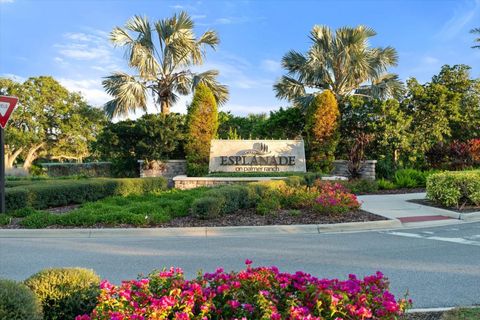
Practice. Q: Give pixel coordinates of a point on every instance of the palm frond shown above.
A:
(289, 88)
(128, 93)
(220, 91)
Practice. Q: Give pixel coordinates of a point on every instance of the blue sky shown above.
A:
(69, 39)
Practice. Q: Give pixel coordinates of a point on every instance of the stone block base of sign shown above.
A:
(366, 172)
(167, 169)
(183, 182)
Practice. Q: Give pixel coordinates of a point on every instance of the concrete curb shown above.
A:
(200, 231)
(472, 216)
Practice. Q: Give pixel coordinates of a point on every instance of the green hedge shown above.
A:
(55, 193)
(454, 189)
(18, 302)
(89, 169)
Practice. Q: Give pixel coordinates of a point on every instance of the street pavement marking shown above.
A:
(445, 239)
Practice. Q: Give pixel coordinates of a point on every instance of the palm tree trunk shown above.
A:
(165, 107)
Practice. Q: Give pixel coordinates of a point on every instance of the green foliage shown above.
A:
(361, 186)
(384, 184)
(17, 302)
(207, 207)
(411, 178)
(138, 210)
(327, 66)
(4, 219)
(321, 130)
(162, 54)
(151, 137)
(454, 189)
(284, 123)
(54, 193)
(65, 292)
(23, 212)
(86, 169)
(48, 121)
(269, 205)
(462, 313)
(202, 126)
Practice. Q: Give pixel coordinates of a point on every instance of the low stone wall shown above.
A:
(183, 182)
(366, 172)
(166, 168)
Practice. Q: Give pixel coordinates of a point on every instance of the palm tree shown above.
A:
(342, 62)
(476, 31)
(162, 65)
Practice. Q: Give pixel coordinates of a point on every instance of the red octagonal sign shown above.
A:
(7, 104)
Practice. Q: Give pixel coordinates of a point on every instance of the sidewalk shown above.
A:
(396, 206)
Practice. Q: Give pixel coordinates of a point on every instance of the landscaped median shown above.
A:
(252, 293)
(145, 202)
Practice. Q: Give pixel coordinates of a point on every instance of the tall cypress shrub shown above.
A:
(202, 126)
(321, 131)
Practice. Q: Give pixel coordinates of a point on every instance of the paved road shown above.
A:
(439, 266)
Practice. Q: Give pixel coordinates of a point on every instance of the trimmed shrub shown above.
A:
(5, 220)
(454, 189)
(334, 197)
(65, 292)
(17, 302)
(207, 207)
(202, 126)
(88, 169)
(252, 293)
(55, 193)
(24, 212)
(39, 220)
(321, 130)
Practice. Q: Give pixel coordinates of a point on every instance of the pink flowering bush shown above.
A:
(334, 197)
(253, 293)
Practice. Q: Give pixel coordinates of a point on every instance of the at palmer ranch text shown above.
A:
(259, 163)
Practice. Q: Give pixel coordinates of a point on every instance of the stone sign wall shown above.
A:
(257, 156)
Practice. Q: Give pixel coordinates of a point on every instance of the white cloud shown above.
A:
(86, 46)
(462, 16)
(198, 16)
(430, 60)
(271, 65)
(80, 36)
(91, 89)
(14, 77)
(7, 1)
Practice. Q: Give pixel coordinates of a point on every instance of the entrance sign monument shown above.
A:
(257, 156)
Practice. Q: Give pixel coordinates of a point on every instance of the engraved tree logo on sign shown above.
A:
(259, 148)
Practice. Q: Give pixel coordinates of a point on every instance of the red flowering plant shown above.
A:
(253, 293)
(335, 197)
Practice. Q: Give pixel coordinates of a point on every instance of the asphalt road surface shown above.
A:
(439, 266)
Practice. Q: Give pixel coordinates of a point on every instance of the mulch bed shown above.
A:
(282, 217)
(426, 202)
(241, 218)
